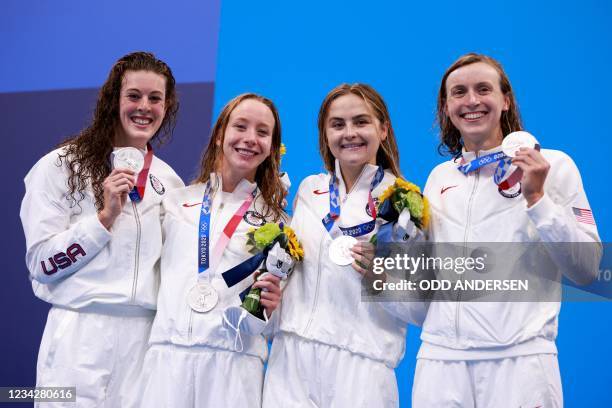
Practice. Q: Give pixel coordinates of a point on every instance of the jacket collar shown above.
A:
(242, 190)
(363, 180)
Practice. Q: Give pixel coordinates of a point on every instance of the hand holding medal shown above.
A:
(119, 183)
(128, 178)
(340, 250)
(344, 237)
(523, 148)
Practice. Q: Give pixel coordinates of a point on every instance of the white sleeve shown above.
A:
(408, 311)
(410, 306)
(55, 248)
(572, 241)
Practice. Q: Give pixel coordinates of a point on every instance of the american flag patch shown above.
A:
(584, 215)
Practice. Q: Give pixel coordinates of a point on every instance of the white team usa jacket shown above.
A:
(470, 209)
(175, 322)
(74, 262)
(322, 301)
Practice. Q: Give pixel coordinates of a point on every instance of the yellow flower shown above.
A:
(386, 194)
(293, 245)
(283, 149)
(406, 185)
(425, 219)
(399, 184)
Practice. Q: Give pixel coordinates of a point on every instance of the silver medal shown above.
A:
(202, 297)
(515, 140)
(340, 250)
(128, 158)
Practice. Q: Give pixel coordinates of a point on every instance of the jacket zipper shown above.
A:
(465, 240)
(316, 296)
(354, 185)
(137, 252)
(190, 330)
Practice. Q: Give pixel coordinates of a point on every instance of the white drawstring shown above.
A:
(238, 337)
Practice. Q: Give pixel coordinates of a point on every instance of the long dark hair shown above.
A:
(510, 121)
(267, 175)
(86, 154)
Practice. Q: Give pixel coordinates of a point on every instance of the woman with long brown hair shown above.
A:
(196, 360)
(333, 349)
(91, 217)
(500, 187)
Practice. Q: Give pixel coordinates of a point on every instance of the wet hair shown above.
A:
(387, 154)
(450, 137)
(267, 175)
(87, 154)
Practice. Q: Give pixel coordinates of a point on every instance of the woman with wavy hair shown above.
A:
(91, 217)
(197, 358)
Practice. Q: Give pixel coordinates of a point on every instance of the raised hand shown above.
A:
(116, 189)
(535, 169)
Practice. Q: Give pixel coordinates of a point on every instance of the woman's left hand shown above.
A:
(271, 294)
(535, 169)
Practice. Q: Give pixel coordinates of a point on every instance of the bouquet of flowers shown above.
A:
(282, 250)
(402, 203)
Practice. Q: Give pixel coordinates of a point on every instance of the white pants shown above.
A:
(525, 381)
(303, 373)
(99, 354)
(184, 377)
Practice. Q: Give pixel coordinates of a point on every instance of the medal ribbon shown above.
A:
(138, 192)
(204, 230)
(514, 178)
(481, 162)
(504, 163)
(334, 208)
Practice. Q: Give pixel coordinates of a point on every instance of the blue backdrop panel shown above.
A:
(557, 54)
(72, 43)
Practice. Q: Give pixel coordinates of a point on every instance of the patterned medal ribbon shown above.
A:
(204, 230)
(138, 192)
(329, 221)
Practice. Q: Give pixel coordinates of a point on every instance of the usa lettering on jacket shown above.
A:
(62, 260)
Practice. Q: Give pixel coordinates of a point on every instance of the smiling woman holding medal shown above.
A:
(196, 358)
(333, 349)
(91, 217)
(499, 187)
